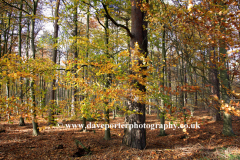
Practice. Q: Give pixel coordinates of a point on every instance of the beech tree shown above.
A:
(54, 59)
(136, 137)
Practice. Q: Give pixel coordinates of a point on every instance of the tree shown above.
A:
(33, 51)
(136, 137)
(213, 73)
(54, 59)
(21, 122)
(224, 77)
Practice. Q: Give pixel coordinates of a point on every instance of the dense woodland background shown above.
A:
(150, 61)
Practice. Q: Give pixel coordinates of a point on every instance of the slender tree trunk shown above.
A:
(170, 85)
(73, 112)
(34, 120)
(54, 59)
(158, 72)
(8, 96)
(162, 113)
(149, 107)
(86, 68)
(1, 25)
(27, 53)
(107, 135)
(215, 110)
(182, 73)
(4, 39)
(6, 33)
(185, 95)
(196, 93)
(21, 121)
(27, 38)
(204, 83)
(11, 42)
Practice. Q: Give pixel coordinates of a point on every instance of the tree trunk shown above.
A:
(1, 36)
(54, 59)
(86, 68)
(73, 111)
(136, 137)
(107, 135)
(8, 96)
(196, 93)
(27, 38)
(162, 120)
(170, 85)
(186, 94)
(227, 120)
(215, 110)
(34, 120)
(162, 113)
(149, 107)
(225, 86)
(21, 121)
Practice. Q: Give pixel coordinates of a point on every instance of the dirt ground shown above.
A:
(53, 143)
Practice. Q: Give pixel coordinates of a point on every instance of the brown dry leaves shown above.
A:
(18, 143)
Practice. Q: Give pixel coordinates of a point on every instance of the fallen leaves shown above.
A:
(58, 143)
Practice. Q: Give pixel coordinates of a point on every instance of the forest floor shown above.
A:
(53, 143)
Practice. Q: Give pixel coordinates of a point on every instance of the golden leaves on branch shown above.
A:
(232, 107)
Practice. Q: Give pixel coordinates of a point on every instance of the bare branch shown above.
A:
(100, 22)
(14, 6)
(28, 4)
(114, 22)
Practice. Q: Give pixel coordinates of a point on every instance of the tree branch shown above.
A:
(114, 22)
(100, 22)
(14, 6)
(28, 5)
